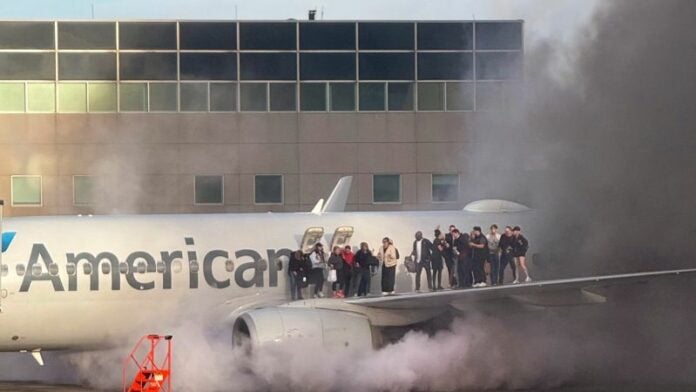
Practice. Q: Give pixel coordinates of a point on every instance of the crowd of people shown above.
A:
(472, 259)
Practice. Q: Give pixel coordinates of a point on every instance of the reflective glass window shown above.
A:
(268, 189)
(163, 97)
(267, 35)
(147, 35)
(377, 35)
(498, 35)
(400, 96)
(26, 191)
(313, 97)
(253, 97)
(431, 96)
(445, 187)
(386, 66)
(26, 35)
(27, 66)
(372, 96)
(208, 35)
(83, 190)
(268, 66)
(208, 66)
(445, 35)
(194, 97)
(87, 66)
(41, 97)
(498, 65)
(72, 97)
(12, 97)
(223, 97)
(386, 188)
(443, 66)
(282, 96)
(209, 189)
(102, 97)
(496, 95)
(86, 35)
(329, 35)
(460, 96)
(148, 66)
(133, 97)
(327, 66)
(342, 96)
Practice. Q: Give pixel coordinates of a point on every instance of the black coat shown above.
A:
(437, 256)
(426, 251)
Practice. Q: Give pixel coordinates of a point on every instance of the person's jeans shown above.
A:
(318, 280)
(295, 286)
(388, 279)
(419, 268)
(505, 259)
(479, 270)
(465, 270)
(437, 278)
(365, 280)
(451, 269)
(494, 259)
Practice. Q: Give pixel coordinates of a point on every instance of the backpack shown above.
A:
(397, 253)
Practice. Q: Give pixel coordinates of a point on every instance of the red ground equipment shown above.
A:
(151, 376)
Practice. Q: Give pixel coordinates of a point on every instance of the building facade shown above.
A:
(226, 116)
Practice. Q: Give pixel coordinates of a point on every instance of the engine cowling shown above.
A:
(330, 328)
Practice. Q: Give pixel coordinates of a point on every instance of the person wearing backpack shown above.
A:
(388, 255)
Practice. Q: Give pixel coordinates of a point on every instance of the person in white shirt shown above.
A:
(422, 252)
(493, 238)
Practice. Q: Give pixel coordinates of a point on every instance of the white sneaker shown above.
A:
(515, 281)
(528, 280)
(392, 293)
(482, 284)
(385, 293)
(321, 295)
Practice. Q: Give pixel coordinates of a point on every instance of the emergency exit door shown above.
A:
(310, 238)
(341, 237)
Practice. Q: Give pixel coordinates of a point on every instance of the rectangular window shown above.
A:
(379, 35)
(495, 95)
(87, 66)
(331, 35)
(267, 35)
(445, 187)
(194, 97)
(86, 35)
(26, 35)
(41, 97)
(223, 97)
(498, 65)
(327, 66)
(209, 190)
(282, 97)
(268, 66)
(431, 96)
(460, 96)
(102, 97)
(253, 97)
(313, 97)
(372, 96)
(11, 97)
(342, 97)
(400, 96)
(163, 97)
(83, 190)
(208, 35)
(208, 66)
(27, 66)
(445, 36)
(444, 66)
(148, 66)
(386, 188)
(147, 35)
(26, 191)
(133, 97)
(268, 189)
(386, 66)
(72, 97)
(498, 35)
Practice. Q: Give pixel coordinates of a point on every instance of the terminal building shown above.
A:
(104, 117)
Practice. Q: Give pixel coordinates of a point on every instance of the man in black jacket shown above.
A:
(479, 255)
(422, 251)
(519, 251)
(506, 255)
(450, 257)
(464, 264)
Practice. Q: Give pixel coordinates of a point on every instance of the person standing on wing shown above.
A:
(479, 255)
(318, 260)
(387, 256)
(494, 254)
(422, 253)
(520, 245)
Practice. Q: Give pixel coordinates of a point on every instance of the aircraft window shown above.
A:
(229, 265)
(161, 267)
(176, 266)
(36, 270)
(279, 265)
(20, 270)
(193, 266)
(106, 268)
(87, 269)
(70, 269)
(53, 269)
(5, 270)
(141, 268)
(123, 268)
(263, 264)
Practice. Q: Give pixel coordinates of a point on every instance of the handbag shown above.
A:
(332, 276)
(410, 264)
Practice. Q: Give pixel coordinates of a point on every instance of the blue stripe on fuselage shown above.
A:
(7, 238)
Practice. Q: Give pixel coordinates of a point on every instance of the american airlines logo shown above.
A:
(7, 238)
(42, 268)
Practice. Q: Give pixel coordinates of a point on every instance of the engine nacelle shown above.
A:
(330, 328)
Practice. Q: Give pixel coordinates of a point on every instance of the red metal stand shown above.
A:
(151, 376)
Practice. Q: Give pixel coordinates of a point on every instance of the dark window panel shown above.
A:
(431, 96)
(252, 97)
(460, 96)
(385, 35)
(208, 189)
(87, 66)
(441, 66)
(282, 97)
(447, 36)
(372, 96)
(268, 66)
(337, 36)
(386, 188)
(498, 35)
(386, 66)
(327, 66)
(313, 97)
(267, 36)
(223, 97)
(342, 97)
(27, 66)
(148, 66)
(26, 35)
(86, 35)
(163, 97)
(208, 35)
(147, 35)
(208, 66)
(193, 97)
(400, 96)
(498, 66)
(268, 189)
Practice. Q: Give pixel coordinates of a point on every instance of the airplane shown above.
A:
(85, 282)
